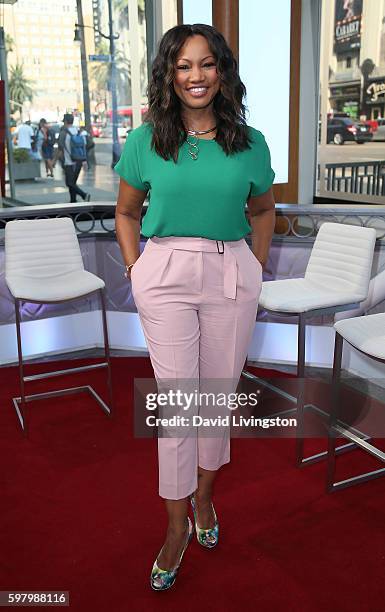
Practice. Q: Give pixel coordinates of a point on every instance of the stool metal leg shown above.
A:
(336, 384)
(301, 387)
(21, 402)
(335, 427)
(356, 437)
(301, 345)
(20, 411)
(107, 350)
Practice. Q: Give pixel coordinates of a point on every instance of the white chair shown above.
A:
(336, 279)
(43, 264)
(367, 335)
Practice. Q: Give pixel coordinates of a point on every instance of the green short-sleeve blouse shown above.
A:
(205, 197)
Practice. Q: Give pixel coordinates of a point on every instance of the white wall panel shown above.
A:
(264, 67)
(197, 11)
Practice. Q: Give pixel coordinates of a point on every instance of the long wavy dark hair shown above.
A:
(164, 111)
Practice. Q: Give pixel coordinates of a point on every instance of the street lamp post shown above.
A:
(4, 76)
(86, 90)
(114, 100)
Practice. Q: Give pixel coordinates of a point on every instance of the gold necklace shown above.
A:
(193, 145)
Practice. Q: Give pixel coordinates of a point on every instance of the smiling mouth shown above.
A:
(197, 92)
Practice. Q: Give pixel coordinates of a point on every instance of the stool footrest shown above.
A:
(342, 484)
(342, 448)
(362, 443)
(93, 366)
(270, 386)
(17, 401)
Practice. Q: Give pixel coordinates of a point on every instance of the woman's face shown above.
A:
(196, 80)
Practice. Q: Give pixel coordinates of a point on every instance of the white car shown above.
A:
(122, 131)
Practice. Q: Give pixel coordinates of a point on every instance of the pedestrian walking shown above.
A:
(24, 137)
(72, 151)
(45, 145)
(89, 142)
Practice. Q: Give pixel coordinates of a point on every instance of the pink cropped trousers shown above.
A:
(197, 301)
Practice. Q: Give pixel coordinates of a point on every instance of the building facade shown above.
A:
(43, 42)
(356, 57)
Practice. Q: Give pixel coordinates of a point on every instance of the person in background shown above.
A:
(89, 142)
(24, 136)
(45, 146)
(71, 167)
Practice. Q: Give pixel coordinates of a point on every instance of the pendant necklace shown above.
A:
(193, 145)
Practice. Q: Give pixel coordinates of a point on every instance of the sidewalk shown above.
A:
(100, 181)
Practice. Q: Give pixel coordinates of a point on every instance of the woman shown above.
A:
(197, 283)
(45, 143)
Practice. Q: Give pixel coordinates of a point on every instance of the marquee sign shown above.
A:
(347, 29)
(375, 91)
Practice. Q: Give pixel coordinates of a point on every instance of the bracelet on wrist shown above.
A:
(126, 274)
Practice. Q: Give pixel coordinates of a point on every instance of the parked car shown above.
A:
(122, 131)
(341, 129)
(379, 134)
(338, 114)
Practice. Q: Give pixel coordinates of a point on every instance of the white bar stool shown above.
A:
(43, 264)
(336, 278)
(367, 335)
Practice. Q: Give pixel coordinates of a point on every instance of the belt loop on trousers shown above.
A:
(223, 247)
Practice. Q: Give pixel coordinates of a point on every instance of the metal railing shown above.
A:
(364, 178)
(293, 221)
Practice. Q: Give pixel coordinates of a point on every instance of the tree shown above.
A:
(20, 88)
(121, 7)
(101, 71)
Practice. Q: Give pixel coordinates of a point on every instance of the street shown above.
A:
(353, 152)
(102, 182)
(103, 150)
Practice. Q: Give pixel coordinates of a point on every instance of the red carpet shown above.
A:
(80, 512)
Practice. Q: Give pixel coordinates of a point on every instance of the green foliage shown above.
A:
(121, 7)
(21, 155)
(20, 88)
(101, 71)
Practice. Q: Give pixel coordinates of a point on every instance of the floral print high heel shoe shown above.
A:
(164, 579)
(206, 537)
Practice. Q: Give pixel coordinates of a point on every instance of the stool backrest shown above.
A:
(41, 248)
(342, 257)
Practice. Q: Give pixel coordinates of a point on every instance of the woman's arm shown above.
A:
(262, 220)
(127, 221)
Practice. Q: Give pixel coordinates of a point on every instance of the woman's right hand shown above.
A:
(127, 222)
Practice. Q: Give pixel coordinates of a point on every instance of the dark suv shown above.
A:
(343, 128)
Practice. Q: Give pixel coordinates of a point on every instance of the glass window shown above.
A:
(352, 101)
(52, 85)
